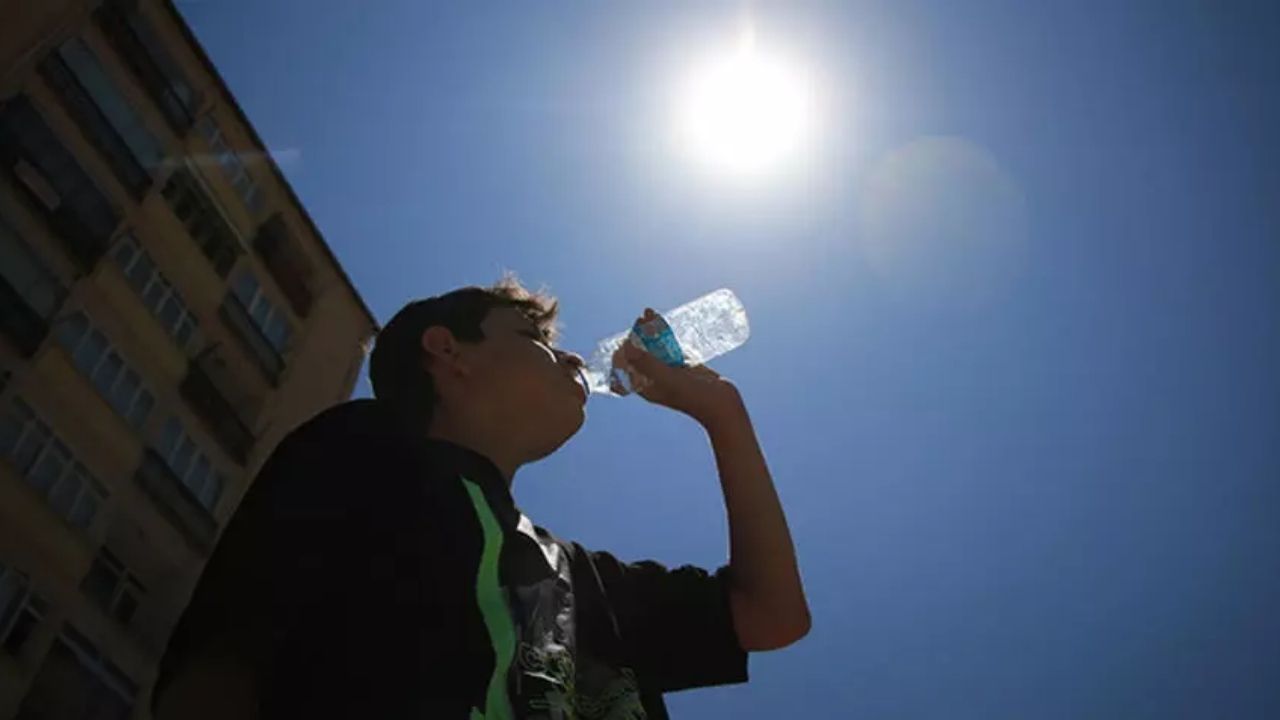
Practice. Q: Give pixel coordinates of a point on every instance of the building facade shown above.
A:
(167, 312)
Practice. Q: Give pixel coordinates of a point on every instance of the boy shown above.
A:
(379, 567)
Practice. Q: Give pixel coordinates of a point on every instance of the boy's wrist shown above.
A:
(726, 410)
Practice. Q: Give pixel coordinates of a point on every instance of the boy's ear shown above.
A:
(440, 348)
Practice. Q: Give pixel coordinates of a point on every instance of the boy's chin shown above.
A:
(556, 442)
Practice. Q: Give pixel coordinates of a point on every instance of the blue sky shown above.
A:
(1015, 358)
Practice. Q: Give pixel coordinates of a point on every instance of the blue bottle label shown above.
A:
(657, 338)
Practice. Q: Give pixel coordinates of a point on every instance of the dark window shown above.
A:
(190, 465)
(139, 44)
(20, 610)
(125, 608)
(269, 318)
(13, 592)
(29, 617)
(173, 497)
(103, 113)
(111, 586)
(27, 275)
(54, 181)
(286, 263)
(29, 294)
(251, 336)
(100, 584)
(203, 220)
(218, 413)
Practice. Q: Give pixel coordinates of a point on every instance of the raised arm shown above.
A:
(766, 594)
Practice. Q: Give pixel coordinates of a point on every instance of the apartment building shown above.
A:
(168, 311)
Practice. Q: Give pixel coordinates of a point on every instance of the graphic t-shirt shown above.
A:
(372, 574)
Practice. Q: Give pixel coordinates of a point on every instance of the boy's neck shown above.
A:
(484, 443)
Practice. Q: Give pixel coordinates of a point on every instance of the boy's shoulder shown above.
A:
(360, 433)
(363, 439)
(361, 418)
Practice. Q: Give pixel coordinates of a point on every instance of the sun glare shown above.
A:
(745, 112)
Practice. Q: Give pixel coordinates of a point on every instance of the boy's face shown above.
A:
(532, 389)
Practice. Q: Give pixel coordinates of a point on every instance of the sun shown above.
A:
(744, 112)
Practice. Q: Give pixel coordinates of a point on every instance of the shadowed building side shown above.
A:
(168, 310)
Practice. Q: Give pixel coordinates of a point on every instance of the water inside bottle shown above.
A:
(695, 333)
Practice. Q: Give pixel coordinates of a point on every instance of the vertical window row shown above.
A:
(48, 466)
(157, 293)
(118, 384)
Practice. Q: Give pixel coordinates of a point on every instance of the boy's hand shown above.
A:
(697, 391)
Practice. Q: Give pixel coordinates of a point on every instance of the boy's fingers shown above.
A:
(636, 356)
(643, 361)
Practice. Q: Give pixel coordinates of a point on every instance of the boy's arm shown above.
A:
(766, 594)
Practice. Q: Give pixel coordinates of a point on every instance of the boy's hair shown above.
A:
(397, 367)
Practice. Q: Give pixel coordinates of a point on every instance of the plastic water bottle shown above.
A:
(692, 334)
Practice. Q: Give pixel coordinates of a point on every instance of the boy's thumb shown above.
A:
(643, 361)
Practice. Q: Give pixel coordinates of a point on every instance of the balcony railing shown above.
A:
(176, 502)
(264, 353)
(287, 266)
(217, 413)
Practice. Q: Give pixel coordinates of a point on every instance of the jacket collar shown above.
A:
(478, 469)
(368, 420)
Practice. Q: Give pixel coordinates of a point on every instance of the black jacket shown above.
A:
(369, 574)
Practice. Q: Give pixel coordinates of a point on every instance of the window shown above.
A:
(232, 166)
(20, 610)
(157, 293)
(287, 262)
(76, 208)
(29, 294)
(139, 44)
(103, 113)
(269, 319)
(118, 384)
(27, 275)
(48, 466)
(208, 398)
(112, 587)
(13, 595)
(204, 221)
(191, 465)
